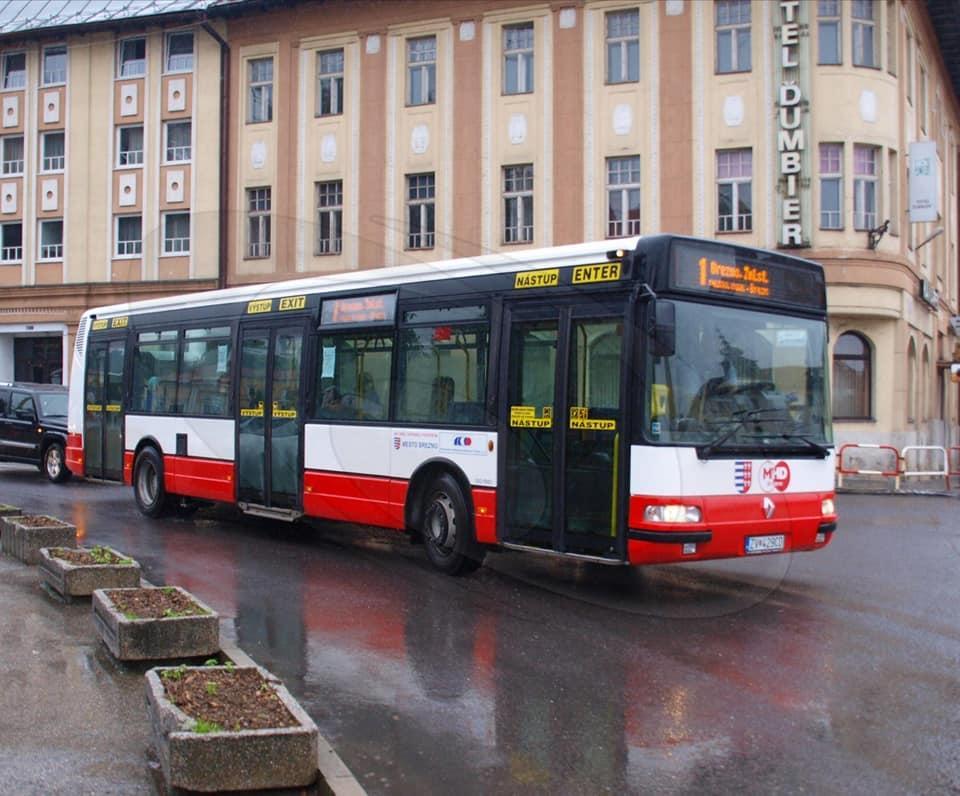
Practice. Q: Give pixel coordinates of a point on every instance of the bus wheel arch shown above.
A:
(148, 489)
(440, 509)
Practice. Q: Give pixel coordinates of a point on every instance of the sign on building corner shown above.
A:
(791, 139)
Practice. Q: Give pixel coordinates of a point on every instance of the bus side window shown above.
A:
(154, 380)
(353, 381)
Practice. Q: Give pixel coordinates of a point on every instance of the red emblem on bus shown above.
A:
(774, 476)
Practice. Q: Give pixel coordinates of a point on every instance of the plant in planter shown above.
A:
(79, 572)
(222, 728)
(155, 623)
(26, 535)
(7, 510)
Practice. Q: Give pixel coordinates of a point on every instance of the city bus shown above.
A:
(655, 399)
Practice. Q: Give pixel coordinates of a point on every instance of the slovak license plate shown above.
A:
(766, 544)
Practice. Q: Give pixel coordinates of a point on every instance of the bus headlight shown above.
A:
(673, 512)
(828, 507)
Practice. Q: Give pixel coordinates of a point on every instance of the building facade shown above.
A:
(362, 134)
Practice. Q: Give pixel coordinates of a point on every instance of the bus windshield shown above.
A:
(740, 379)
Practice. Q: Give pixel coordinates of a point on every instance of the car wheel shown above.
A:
(55, 463)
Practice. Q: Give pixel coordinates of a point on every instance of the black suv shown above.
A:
(33, 427)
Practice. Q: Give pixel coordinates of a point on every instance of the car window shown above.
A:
(4, 402)
(21, 402)
(53, 404)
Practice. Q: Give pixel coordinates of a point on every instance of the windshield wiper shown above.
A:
(822, 452)
(739, 420)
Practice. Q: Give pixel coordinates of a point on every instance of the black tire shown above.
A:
(54, 464)
(447, 529)
(148, 491)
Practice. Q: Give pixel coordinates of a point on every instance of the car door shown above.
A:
(4, 425)
(22, 437)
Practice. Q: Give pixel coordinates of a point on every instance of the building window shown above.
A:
(330, 83)
(421, 193)
(130, 146)
(52, 152)
(55, 65)
(518, 204)
(623, 46)
(893, 176)
(851, 377)
(892, 37)
(258, 222)
(518, 58)
(831, 186)
(734, 190)
(623, 196)
(733, 35)
(12, 152)
(176, 233)
(15, 70)
(922, 98)
(329, 217)
(11, 242)
(864, 34)
(260, 81)
(866, 171)
(422, 71)
(129, 236)
(132, 57)
(177, 146)
(179, 51)
(51, 239)
(828, 32)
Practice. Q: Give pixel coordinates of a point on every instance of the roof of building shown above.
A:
(945, 16)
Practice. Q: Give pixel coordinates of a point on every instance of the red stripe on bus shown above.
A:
(485, 514)
(730, 519)
(362, 499)
(209, 479)
(74, 454)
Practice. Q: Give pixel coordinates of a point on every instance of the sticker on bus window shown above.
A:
(285, 413)
(119, 323)
(99, 326)
(526, 417)
(256, 411)
(259, 306)
(94, 408)
(293, 303)
(604, 272)
(114, 408)
(580, 421)
(546, 278)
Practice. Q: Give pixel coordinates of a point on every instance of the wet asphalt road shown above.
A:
(836, 671)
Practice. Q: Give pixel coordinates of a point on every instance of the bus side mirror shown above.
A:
(664, 328)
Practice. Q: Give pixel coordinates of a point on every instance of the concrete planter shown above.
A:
(25, 536)
(71, 580)
(9, 511)
(168, 638)
(6, 511)
(284, 757)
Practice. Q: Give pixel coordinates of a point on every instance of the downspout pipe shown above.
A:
(224, 149)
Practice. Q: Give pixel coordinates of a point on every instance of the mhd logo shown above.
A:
(774, 476)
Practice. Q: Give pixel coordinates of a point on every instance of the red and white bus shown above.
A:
(663, 402)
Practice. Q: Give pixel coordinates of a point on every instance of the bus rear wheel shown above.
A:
(447, 530)
(148, 488)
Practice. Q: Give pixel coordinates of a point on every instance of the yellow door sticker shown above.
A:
(603, 272)
(293, 303)
(593, 425)
(99, 326)
(547, 278)
(114, 408)
(119, 323)
(526, 417)
(94, 408)
(579, 413)
(257, 307)
(256, 412)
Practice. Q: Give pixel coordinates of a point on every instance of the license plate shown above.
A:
(766, 544)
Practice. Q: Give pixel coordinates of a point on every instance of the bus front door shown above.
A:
(103, 410)
(562, 419)
(270, 417)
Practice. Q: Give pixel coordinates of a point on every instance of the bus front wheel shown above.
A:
(447, 531)
(148, 488)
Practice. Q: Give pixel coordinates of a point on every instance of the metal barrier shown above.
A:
(954, 471)
(842, 470)
(942, 473)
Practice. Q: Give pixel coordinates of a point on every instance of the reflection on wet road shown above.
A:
(834, 671)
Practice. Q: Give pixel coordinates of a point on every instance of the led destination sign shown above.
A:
(359, 309)
(725, 271)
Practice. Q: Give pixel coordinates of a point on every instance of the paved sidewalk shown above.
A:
(72, 719)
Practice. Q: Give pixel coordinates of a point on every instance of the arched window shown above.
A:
(912, 382)
(925, 412)
(852, 377)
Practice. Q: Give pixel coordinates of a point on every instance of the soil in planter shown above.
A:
(225, 699)
(154, 603)
(86, 558)
(38, 521)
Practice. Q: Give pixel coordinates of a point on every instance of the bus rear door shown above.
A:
(103, 409)
(270, 416)
(562, 417)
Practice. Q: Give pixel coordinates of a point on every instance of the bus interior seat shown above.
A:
(467, 413)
